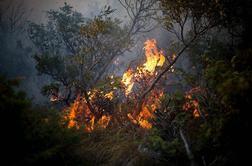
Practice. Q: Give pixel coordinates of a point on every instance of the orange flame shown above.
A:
(80, 114)
(147, 113)
(109, 95)
(154, 57)
(192, 104)
(127, 80)
(104, 121)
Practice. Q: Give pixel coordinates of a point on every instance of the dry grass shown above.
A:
(114, 147)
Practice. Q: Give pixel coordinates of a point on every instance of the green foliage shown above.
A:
(33, 136)
(229, 83)
(59, 68)
(224, 72)
(155, 142)
(76, 51)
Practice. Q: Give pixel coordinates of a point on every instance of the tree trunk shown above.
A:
(187, 148)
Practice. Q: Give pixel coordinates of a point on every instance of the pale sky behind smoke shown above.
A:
(88, 8)
(36, 11)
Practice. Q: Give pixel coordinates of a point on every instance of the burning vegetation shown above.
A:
(156, 112)
(132, 83)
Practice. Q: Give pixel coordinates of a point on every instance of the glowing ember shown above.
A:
(147, 113)
(192, 104)
(90, 126)
(144, 116)
(54, 98)
(196, 113)
(79, 114)
(109, 95)
(104, 121)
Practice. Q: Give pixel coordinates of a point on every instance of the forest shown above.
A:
(126, 82)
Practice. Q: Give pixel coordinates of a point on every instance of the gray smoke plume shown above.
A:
(16, 50)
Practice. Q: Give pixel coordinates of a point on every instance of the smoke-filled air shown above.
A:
(125, 82)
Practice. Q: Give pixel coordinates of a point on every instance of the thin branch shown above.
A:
(188, 150)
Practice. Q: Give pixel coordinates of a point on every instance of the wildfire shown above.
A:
(127, 80)
(80, 114)
(148, 109)
(154, 57)
(77, 117)
(191, 103)
(104, 121)
(109, 95)
(143, 118)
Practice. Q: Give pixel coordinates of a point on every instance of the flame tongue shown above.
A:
(154, 57)
(127, 80)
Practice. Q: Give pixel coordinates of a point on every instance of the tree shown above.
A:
(33, 135)
(222, 68)
(76, 51)
(179, 19)
(13, 16)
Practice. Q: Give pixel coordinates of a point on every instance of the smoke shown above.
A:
(16, 49)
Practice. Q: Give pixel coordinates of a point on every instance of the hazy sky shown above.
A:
(90, 8)
(87, 7)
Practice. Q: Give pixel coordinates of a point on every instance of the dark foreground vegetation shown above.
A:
(204, 121)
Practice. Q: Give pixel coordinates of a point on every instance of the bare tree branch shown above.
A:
(187, 148)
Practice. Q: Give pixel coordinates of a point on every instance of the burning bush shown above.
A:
(132, 84)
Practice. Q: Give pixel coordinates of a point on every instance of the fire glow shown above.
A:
(154, 57)
(79, 114)
(192, 103)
